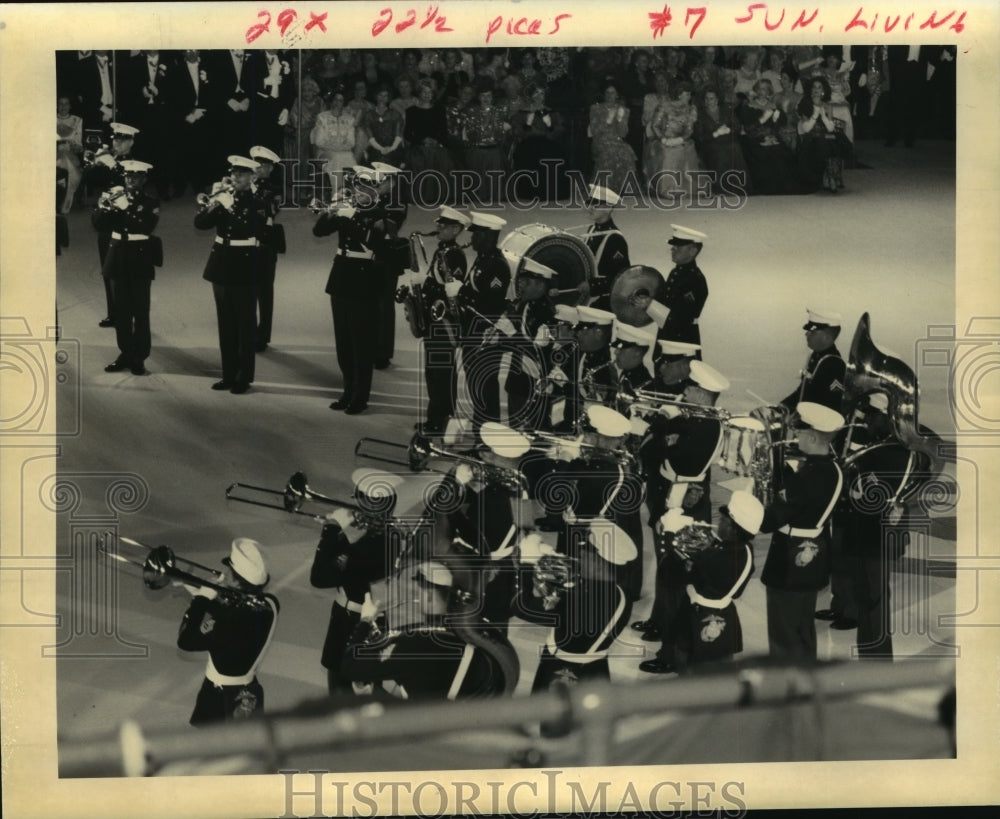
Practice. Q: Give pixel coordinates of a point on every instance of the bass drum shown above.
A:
(565, 253)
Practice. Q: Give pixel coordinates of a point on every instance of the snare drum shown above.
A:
(744, 437)
(565, 253)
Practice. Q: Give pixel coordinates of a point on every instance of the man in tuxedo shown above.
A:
(143, 100)
(95, 90)
(275, 92)
(188, 94)
(908, 74)
(233, 84)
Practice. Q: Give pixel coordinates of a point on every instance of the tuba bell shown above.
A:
(871, 370)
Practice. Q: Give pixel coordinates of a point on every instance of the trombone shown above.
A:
(645, 401)
(162, 565)
(421, 449)
(296, 493)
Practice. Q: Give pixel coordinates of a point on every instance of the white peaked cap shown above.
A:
(246, 560)
(707, 377)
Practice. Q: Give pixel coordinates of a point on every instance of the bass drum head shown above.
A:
(565, 253)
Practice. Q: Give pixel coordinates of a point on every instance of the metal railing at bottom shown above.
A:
(588, 711)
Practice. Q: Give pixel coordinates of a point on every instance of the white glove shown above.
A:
(342, 517)
(283, 117)
(675, 520)
(451, 288)
(557, 376)
(225, 199)
(120, 202)
(105, 159)
(776, 114)
(637, 426)
(464, 474)
(621, 113)
(669, 411)
(106, 113)
(370, 608)
(533, 547)
(506, 326)
(543, 338)
(547, 120)
(233, 105)
(198, 591)
(567, 451)
(347, 213)
(862, 81)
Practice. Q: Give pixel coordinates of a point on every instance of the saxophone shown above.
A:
(410, 295)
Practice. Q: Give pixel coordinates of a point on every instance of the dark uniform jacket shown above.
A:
(448, 262)
(129, 259)
(234, 631)
(228, 264)
(485, 290)
(610, 250)
(822, 380)
(354, 273)
(425, 661)
(799, 560)
(684, 292)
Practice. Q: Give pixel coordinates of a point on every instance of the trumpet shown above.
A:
(109, 197)
(90, 157)
(162, 565)
(342, 200)
(224, 186)
(297, 493)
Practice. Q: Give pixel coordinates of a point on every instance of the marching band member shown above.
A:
(673, 368)
(129, 266)
(631, 345)
(579, 593)
(823, 377)
(798, 560)
(563, 361)
(389, 263)
(608, 245)
(235, 630)
(354, 286)
(880, 478)
(681, 299)
(240, 220)
(709, 622)
(271, 244)
(594, 378)
(439, 290)
(104, 172)
(351, 555)
(533, 315)
(485, 293)
(432, 661)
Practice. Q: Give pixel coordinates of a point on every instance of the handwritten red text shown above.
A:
(773, 19)
(523, 26)
(870, 22)
(287, 25)
(410, 18)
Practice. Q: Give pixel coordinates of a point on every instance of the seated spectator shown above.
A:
(707, 70)
(673, 65)
(426, 135)
(335, 139)
(806, 60)
(771, 163)
(613, 158)
(823, 147)
(406, 97)
(787, 99)
(674, 127)
(775, 57)
(384, 127)
(748, 70)
(454, 117)
(450, 76)
(372, 74)
(539, 133)
(652, 150)
(301, 120)
(717, 137)
(410, 69)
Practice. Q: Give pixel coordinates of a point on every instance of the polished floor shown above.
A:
(154, 454)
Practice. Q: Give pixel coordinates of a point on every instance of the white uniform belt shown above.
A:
(213, 675)
(667, 471)
(340, 597)
(236, 242)
(706, 602)
(793, 532)
(356, 254)
(570, 657)
(129, 237)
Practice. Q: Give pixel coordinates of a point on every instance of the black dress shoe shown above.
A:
(340, 404)
(221, 385)
(382, 364)
(239, 388)
(825, 614)
(844, 624)
(355, 409)
(656, 667)
(116, 367)
(106, 322)
(644, 625)
(138, 369)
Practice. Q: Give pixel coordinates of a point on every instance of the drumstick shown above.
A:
(763, 401)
